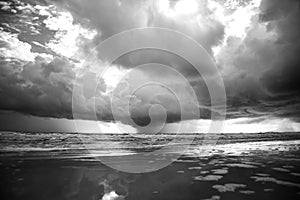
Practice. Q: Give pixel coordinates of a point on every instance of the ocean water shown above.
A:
(226, 166)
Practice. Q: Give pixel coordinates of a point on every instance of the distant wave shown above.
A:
(71, 145)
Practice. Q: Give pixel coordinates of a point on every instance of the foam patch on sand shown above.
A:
(204, 172)
(220, 171)
(216, 161)
(195, 168)
(262, 174)
(247, 192)
(228, 187)
(295, 174)
(268, 190)
(214, 197)
(281, 169)
(184, 161)
(252, 163)
(243, 148)
(288, 167)
(208, 178)
(274, 180)
(240, 165)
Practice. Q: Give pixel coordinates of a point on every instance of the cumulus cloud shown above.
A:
(39, 88)
(254, 43)
(260, 69)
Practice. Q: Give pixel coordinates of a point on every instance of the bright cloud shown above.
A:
(16, 49)
(68, 38)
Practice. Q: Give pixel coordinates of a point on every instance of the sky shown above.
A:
(48, 48)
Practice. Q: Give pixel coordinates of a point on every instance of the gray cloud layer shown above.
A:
(260, 71)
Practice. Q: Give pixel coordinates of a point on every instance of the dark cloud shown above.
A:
(283, 77)
(263, 68)
(177, 62)
(37, 88)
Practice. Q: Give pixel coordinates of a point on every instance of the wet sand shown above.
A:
(214, 177)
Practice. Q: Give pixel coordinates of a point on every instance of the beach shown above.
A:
(248, 169)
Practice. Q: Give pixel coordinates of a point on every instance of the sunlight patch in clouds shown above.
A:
(112, 77)
(186, 7)
(182, 7)
(67, 39)
(236, 23)
(245, 125)
(16, 49)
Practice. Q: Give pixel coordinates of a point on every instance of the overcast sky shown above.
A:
(45, 44)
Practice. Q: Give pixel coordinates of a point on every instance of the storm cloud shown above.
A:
(261, 70)
(258, 60)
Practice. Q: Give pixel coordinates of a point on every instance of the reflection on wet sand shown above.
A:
(214, 177)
